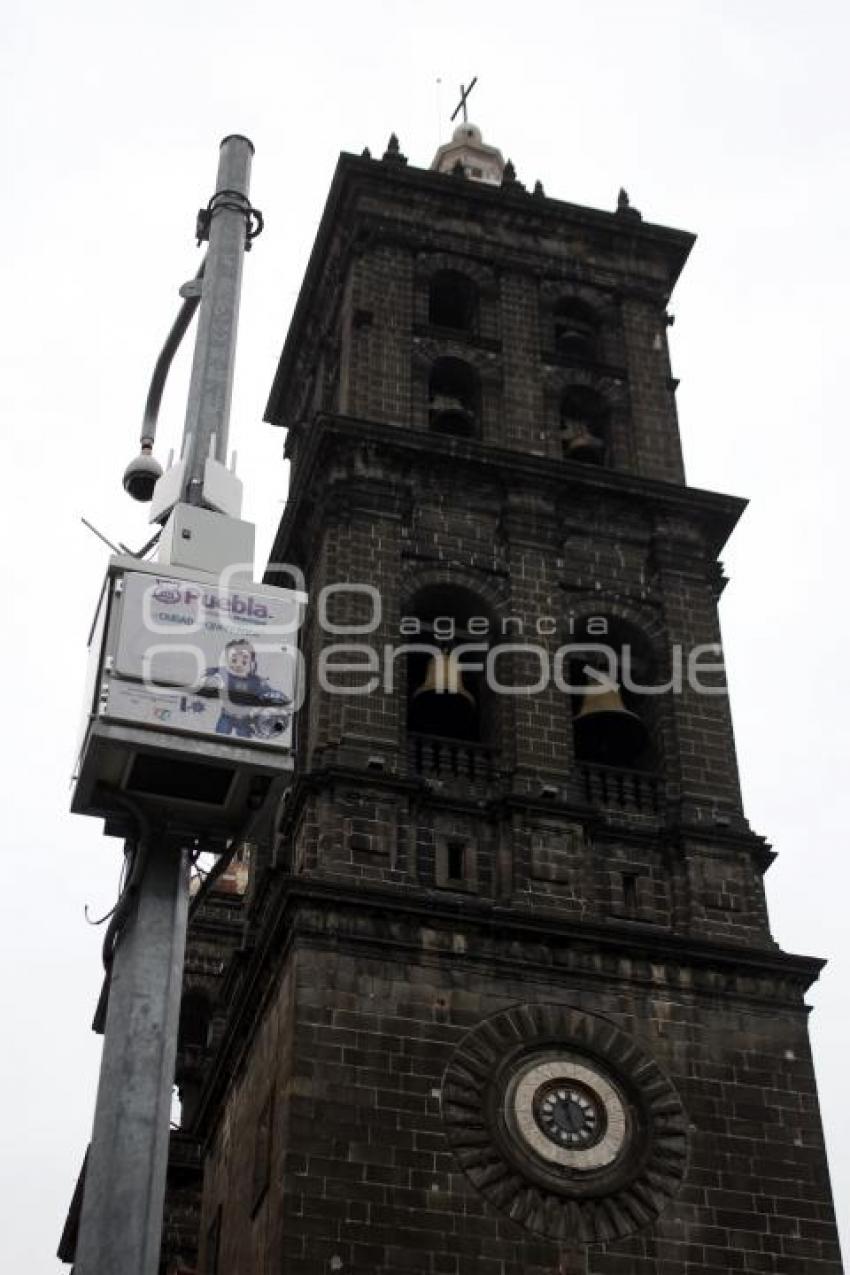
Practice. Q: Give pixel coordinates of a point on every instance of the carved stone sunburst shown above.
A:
(564, 1123)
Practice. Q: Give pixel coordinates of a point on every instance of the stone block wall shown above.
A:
(363, 1176)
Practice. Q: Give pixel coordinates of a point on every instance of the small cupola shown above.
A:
(468, 154)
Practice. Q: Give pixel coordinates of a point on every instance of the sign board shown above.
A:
(193, 657)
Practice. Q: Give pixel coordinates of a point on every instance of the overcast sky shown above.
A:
(729, 119)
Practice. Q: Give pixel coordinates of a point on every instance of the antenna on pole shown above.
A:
(227, 223)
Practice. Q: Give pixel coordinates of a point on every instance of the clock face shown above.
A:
(567, 1112)
(564, 1123)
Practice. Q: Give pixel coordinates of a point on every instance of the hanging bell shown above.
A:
(583, 445)
(450, 415)
(606, 732)
(442, 705)
(574, 338)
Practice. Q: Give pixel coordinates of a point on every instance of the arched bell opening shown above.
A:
(446, 696)
(584, 419)
(193, 1036)
(616, 723)
(194, 1024)
(454, 398)
(575, 330)
(453, 302)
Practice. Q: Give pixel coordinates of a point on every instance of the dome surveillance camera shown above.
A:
(141, 475)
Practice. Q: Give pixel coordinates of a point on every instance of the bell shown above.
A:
(574, 338)
(442, 705)
(606, 731)
(450, 415)
(580, 444)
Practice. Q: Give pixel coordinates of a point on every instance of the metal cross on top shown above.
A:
(464, 94)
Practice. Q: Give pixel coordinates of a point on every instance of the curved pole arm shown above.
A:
(166, 355)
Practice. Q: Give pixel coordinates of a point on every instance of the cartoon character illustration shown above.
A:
(250, 706)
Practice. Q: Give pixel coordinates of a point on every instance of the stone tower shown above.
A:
(499, 997)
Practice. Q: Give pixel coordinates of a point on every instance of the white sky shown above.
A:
(730, 119)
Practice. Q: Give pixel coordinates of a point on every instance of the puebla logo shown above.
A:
(232, 604)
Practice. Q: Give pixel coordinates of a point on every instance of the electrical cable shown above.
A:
(163, 363)
(122, 877)
(140, 855)
(233, 201)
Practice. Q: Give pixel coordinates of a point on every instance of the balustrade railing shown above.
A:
(637, 791)
(439, 757)
(436, 757)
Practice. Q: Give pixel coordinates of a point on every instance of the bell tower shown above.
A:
(505, 997)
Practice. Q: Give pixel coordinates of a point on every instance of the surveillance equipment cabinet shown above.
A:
(191, 694)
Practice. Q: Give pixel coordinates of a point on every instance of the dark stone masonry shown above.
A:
(499, 995)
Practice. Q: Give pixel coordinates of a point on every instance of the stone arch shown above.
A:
(449, 574)
(482, 276)
(427, 351)
(643, 619)
(454, 398)
(560, 384)
(600, 303)
(637, 637)
(453, 301)
(434, 597)
(574, 329)
(428, 264)
(563, 292)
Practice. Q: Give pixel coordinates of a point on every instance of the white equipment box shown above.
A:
(191, 697)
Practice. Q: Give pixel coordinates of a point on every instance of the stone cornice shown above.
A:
(503, 805)
(327, 437)
(379, 922)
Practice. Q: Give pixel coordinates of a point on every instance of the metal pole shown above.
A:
(211, 386)
(121, 1218)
